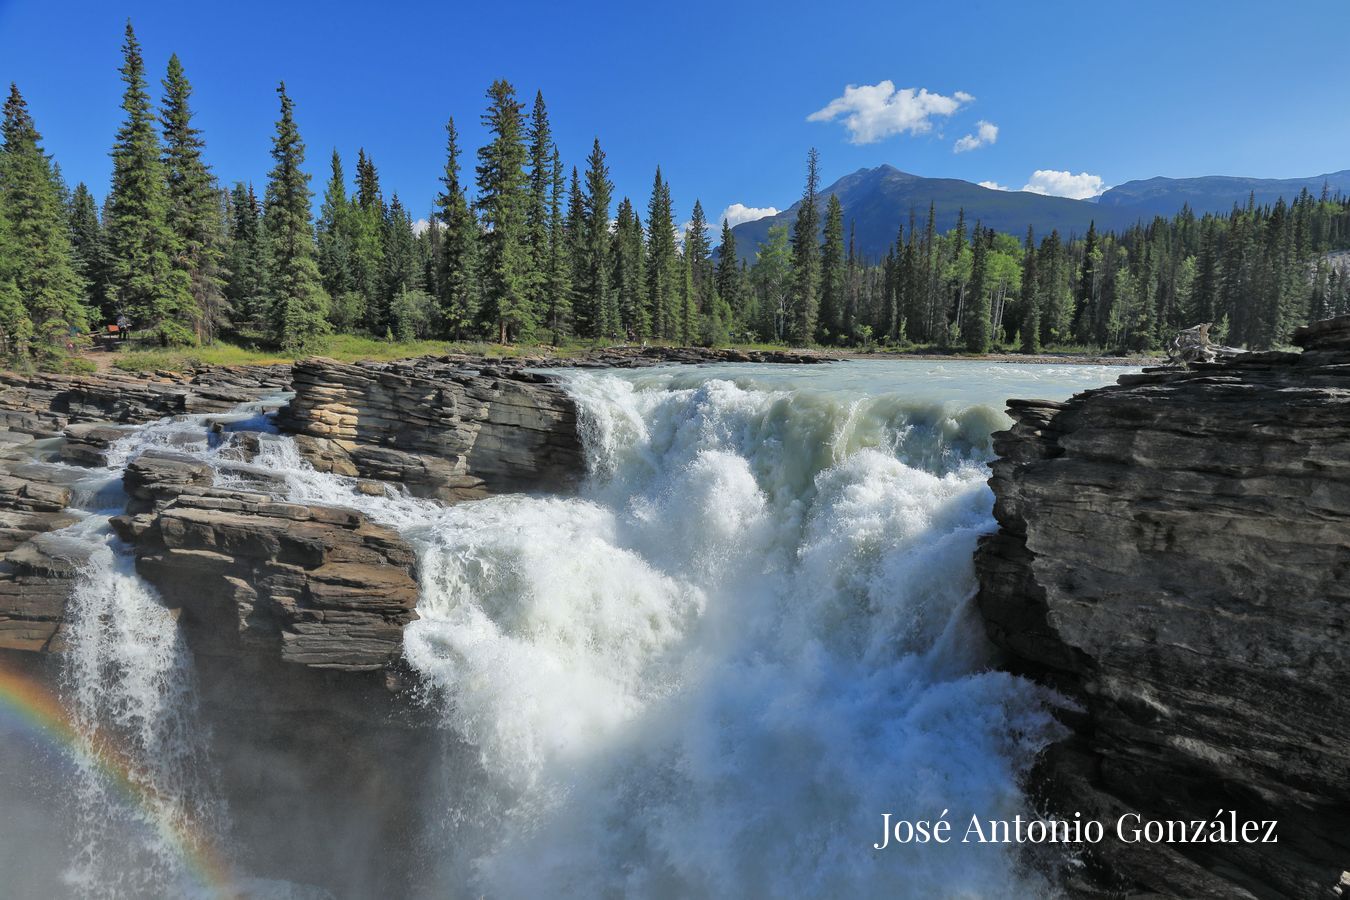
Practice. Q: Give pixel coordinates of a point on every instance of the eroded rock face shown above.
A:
(1174, 553)
(442, 428)
(316, 586)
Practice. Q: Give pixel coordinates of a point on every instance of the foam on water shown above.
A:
(750, 636)
(709, 673)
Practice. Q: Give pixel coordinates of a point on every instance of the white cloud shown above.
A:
(875, 111)
(1065, 184)
(737, 213)
(420, 226)
(994, 186)
(985, 134)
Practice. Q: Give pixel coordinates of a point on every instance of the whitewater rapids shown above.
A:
(749, 635)
(708, 673)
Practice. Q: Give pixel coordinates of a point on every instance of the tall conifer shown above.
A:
(299, 306)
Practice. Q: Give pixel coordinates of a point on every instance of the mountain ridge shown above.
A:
(879, 200)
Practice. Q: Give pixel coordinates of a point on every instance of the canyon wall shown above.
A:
(1173, 555)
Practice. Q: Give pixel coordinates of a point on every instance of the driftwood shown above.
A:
(1193, 345)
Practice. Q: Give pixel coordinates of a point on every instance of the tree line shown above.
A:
(537, 252)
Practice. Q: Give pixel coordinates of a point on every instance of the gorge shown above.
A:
(460, 626)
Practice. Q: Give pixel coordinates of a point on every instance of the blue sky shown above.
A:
(722, 95)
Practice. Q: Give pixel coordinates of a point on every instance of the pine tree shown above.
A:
(502, 202)
(401, 270)
(333, 232)
(245, 290)
(830, 324)
(1031, 300)
(455, 268)
(702, 288)
(368, 194)
(806, 258)
(729, 283)
(147, 284)
(16, 329)
(41, 296)
(366, 224)
(661, 262)
(575, 247)
(627, 278)
(194, 214)
(86, 240)
(559, 292)
(537, 220)
(975, 326)
(597, 313)
(299, 306)
(1085, 301)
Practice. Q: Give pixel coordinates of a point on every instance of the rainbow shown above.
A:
(37, 710)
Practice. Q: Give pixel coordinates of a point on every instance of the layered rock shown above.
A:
(316, 586)
(1173, 554)
(442, 428)
(43, 404)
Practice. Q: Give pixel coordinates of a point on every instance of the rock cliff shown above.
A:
(1173, 554)
(442, 427)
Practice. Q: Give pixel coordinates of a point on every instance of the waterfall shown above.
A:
(709, 672)
(749, 636)
(128, 683)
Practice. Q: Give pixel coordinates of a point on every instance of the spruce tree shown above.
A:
(86, 240)
(502, 200)
(333, 232)
(455, 281)
(975, 325)
(559, 291)
(597, 314)
(574, 247)
(625, 276)
(698, 255)
(1031, 298)
(245, 289)
(661, 262)
(16, 329)
(806, 258)
(728, 275)
(299, 306)
(39, 262)
(830, 324)
(194, 213)
(537, 219)
(401, 271)
(366, 224)
(147, 284)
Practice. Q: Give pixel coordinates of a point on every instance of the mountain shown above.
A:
(1214, 193)
(878, 201)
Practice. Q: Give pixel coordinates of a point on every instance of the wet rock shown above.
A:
(87, 444)
(35, 584)
(316, 586)
(1173, 552)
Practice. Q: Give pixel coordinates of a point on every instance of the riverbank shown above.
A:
(350, 349)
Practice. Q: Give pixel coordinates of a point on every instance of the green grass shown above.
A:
(354, 348)
(342, 347)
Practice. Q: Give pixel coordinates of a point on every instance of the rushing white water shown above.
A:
(128, 684)
(748, 637)
(709, 673)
